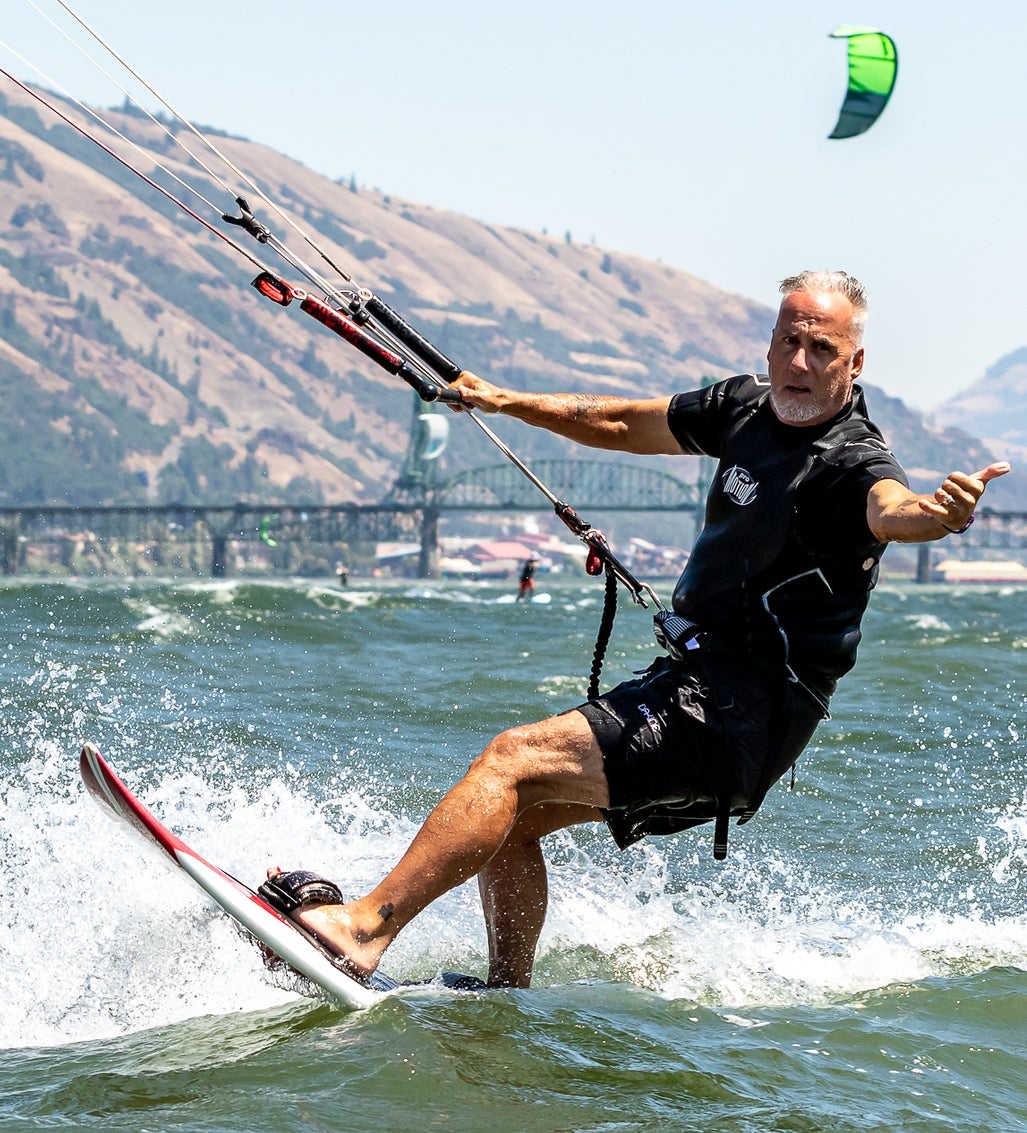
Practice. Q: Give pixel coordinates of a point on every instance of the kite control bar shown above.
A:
(365, 305)
(363, 309)
(278, 291)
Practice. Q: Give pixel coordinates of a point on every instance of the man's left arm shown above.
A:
(895, 514)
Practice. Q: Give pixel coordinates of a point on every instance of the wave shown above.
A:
(105, 938)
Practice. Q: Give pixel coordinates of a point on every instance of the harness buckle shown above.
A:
(676, 634)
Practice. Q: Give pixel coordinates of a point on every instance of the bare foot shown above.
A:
(346, 931)
(334, 927)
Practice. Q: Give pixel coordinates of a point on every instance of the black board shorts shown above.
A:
(685, 734)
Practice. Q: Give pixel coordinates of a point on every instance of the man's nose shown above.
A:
(798, 360)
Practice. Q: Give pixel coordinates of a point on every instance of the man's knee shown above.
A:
(508, 755)
(556, 760)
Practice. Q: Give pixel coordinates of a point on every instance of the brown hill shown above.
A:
(137, 363)
(995, 407)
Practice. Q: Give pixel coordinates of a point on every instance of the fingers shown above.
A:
(476, 393)
(933, 508)
(954, 501)
(463, 385)
(973, 486)
(950, 508)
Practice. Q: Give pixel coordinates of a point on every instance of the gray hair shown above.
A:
(832, 281)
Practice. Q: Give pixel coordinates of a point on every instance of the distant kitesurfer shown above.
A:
(804, 501)
(342, 573)
(527, 580)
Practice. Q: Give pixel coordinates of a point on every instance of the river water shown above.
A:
(859, 962)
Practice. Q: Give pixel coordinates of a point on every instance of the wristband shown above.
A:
(959, 530)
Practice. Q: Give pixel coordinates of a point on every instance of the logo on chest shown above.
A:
(739, 486)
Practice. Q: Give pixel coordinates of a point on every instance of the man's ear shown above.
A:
(857, 363)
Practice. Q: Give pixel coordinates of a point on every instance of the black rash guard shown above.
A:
(783, 569)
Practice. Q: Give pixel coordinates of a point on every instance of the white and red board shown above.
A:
(281, 935)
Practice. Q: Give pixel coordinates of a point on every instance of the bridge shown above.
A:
(199, 539)
(588, 484)
(304, 538)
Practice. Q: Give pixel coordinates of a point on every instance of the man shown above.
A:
(805, 499)
(527, 579)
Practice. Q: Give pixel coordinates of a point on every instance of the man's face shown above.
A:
(814, 357)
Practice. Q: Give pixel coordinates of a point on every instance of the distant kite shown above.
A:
(434, 433)
(873, 64)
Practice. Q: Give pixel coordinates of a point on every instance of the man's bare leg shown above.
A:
(514, 891)
(555, 761)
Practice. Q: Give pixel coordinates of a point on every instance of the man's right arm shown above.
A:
(895, 514)
(619, 423)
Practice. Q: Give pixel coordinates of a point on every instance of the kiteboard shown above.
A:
(540, 599)
(283, 937)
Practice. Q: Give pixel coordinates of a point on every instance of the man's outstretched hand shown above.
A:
(954, 501)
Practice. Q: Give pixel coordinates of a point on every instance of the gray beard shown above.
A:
(793, 412)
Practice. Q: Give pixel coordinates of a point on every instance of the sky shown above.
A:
(691, 133)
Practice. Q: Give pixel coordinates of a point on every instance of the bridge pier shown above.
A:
(923, 563)
(218, 556)
(428, 563)
(10, 545)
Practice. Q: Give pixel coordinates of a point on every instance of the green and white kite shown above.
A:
(873, 65)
